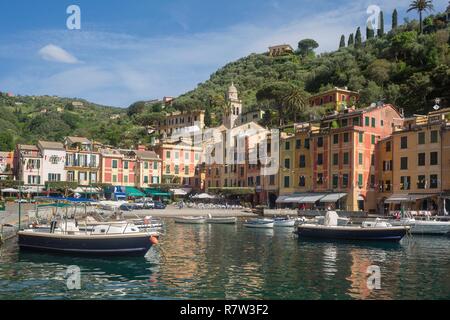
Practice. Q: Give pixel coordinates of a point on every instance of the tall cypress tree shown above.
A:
(394, 19)
(351, 40)
(358, 38)
(381, 26)
(342, 43)
(370, 33)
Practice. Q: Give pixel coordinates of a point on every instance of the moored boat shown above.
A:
(368, 231)
(101, 240)
(190, 220)
(284, 223)
(221, 220)
(259, 223)
(425, 227)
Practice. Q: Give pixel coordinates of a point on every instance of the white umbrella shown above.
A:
(178, 192)
(203, 196)
(10, 190)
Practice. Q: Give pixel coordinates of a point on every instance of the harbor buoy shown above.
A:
(154, 240)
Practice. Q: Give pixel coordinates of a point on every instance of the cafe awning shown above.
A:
(399, 198)
(333, 197)
(133, 192)
(312, 198)
(156, 193)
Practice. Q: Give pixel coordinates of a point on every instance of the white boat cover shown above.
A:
(331, 219)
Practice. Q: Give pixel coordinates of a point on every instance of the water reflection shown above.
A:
(233, 262)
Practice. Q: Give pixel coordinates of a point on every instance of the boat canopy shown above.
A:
(133, 192)
(333, 197)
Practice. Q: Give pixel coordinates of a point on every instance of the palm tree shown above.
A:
(296, 102)
(421, 6)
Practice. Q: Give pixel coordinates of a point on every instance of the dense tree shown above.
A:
(351, 40)
(358, 38)
(379, 71)
(296, 102)
(136, 108)
(306, 47)
(6, 141)
(370, 32)
(273, 95)
(342, 42)
(394, 19)
(380, 31)
(421, 6)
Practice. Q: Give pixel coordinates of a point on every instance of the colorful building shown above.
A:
(181, 163)
(337, 99)
(53, 161)
(82, 161)
(343, 167)
(6, 165)
(28, 165)
(420, 164)
(179, 121)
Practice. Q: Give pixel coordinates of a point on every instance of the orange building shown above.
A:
(335, 99)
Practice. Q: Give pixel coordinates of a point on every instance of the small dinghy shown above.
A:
(259, 223)
(221, 220)
(369, 231)
(284, 222)
(190, 220)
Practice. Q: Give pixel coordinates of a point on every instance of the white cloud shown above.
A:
(57, 54)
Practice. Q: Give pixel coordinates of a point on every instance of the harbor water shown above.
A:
(232, 262)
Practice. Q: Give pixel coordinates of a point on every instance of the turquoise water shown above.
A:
(232, 262)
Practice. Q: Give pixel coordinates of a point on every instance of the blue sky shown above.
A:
(146, 49)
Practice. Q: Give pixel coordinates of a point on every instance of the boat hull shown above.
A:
(259, 225)
(190, 221)
(284, 223)
(425, 227)
(352, 233)
(221, 220)
(111, 245)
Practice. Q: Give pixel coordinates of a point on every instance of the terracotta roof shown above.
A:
(51, 145)
(78, 140)
(28, 147)
(146, 154)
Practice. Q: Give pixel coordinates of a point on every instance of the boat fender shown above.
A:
(154, 240)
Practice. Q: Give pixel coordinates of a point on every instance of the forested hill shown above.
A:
(26, 119)
(402, 67)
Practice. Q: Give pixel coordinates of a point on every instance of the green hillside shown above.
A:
(26, 119)
(402, 67)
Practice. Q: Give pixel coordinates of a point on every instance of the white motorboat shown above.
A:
(99, 240)
(190, 220)
(429, 226)
(370, 230)
(284, 222)
(221, 220)
(259, 223)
